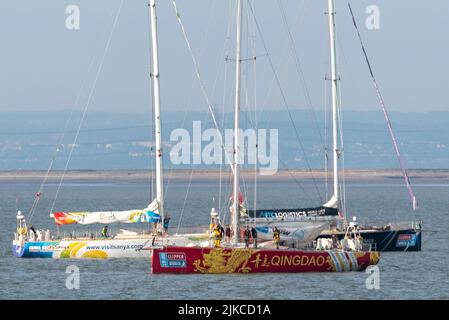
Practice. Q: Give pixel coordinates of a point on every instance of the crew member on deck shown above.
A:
(166, 222)
(247, 236)
(222, 231)
(334, 241)
(228, 233)
(276, 237)
(254, 235)
(217, 236)
(104, 232)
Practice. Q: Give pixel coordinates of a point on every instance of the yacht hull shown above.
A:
(184, 260)
(101, 248)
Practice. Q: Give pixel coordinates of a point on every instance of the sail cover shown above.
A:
(330, 208)
(149, 214)
(300, 212)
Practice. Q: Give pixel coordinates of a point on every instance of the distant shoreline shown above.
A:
(208, 174)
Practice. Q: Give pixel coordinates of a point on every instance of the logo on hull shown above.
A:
(172, 259)
(406, 240)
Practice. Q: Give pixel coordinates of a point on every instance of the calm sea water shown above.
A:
(402, 275)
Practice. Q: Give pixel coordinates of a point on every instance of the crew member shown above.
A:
(247, 236)
(217, 236)
(104, 232)
(166, 222)
(228, 233)
(254, 235)
(334, 241)
(276, 237)
(222, 231)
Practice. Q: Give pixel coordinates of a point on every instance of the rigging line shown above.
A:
(256, 150)
(189, 185)
(387, 117)
(225, 80)
(245, 154)
(299, 70)
(206, 35)
(283, 69)
(41, 187)
(248, 118)
(227, 192)
(39, 192)
(279, 64)
(222, 121)
(286, 105)
(200, 80)
(289, 171)
(182, 125)
(342, 147)
(61, 139)
(326, 140)
(100, 67)
(282, 57)
(246, 75)
(185, 199)
(228, 197)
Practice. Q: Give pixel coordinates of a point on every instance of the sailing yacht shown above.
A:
(236, 257)
(32, 243)
(328, 220)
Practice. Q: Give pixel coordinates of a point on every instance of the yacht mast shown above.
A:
(334, 79)
(236, 204)
(157, 111)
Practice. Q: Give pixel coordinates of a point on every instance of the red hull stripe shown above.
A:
(239, 260)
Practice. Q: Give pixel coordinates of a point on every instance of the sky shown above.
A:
(43, 65)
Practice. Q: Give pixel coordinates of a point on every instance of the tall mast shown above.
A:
(334, 79)
(236, 204)
(157, 110)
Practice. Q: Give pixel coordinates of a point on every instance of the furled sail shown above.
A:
(332, 203)
(294, 213)
(149, 214)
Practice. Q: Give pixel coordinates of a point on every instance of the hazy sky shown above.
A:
(43, 64)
